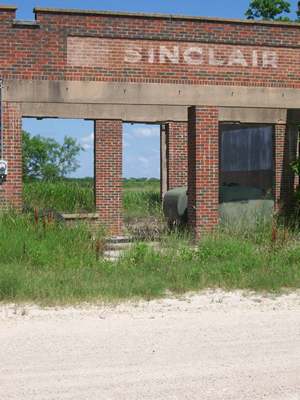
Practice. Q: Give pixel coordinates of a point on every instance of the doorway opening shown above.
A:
(141, 179)
(58, 165)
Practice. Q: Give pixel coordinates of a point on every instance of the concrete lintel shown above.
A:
(253, 115)
(78, 92)
(126, 113)
(150, 114)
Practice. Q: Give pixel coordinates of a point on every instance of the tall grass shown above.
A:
(141, 203)
(50, 263)
(63, 196)
(141, 198)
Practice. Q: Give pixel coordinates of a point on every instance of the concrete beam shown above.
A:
(151, 114)
(78, 92)
(253, 115)
(126, 113)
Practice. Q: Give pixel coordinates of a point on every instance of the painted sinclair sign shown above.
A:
(197, 55)
(118, 53)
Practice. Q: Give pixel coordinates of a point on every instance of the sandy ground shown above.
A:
(214, 345)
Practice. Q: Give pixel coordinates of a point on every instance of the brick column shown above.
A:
(11, 190)
(285, 152)
(177, 154)
(203, 169)
(108, 174)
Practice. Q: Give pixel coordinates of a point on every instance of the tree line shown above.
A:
(276, 10)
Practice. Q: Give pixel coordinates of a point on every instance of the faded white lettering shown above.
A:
(237, 58)
(212, 58)
(193, 55)
(151, 56)
(269, 59)
(133, 55)
(199, 56)
(169, 54)
(254, 58)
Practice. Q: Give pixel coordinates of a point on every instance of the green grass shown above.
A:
(63, 196)
(141, 198)
(50, 264)
(141, 203)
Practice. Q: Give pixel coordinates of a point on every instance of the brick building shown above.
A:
(192, 75)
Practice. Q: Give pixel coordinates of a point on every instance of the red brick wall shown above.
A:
(166, 61)
(279, 144)
(177, 163)
(108, 174)
(203, 178)
(285, 151)
(41, 53)
(11, 191)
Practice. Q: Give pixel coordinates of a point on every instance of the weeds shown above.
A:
(141, 199)
(42, 260)
(49, 263)
(62, 196)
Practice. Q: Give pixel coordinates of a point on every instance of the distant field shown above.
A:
(141, 197)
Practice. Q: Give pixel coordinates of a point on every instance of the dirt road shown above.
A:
(210, 346)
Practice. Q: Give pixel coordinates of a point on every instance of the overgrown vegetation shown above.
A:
(67, 196)
(141, 196)
(49, 263)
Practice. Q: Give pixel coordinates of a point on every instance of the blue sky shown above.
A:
(141, 142)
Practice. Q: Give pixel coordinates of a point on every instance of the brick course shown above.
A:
(11, 191)
(40, 51)
(285, 152)
(108, 174)
(177, 154)
(203, 167)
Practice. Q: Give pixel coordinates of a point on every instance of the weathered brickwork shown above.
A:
(285, 152)
(203, 177)
(177, 154)
(185, 62)
(108, 174)
(227, 53)
(11, 191)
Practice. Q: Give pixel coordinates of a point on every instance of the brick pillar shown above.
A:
(285, 151)
(108, 174)
(177, 154)
(203, 169)
(11, 190)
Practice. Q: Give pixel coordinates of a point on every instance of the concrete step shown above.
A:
(116, 246)
(113, 251)
(120, 239)
(119, 246)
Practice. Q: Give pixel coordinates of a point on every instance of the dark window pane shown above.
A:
(246, 162)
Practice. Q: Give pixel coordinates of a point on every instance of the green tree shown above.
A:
(268, 10)
(45, 158)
